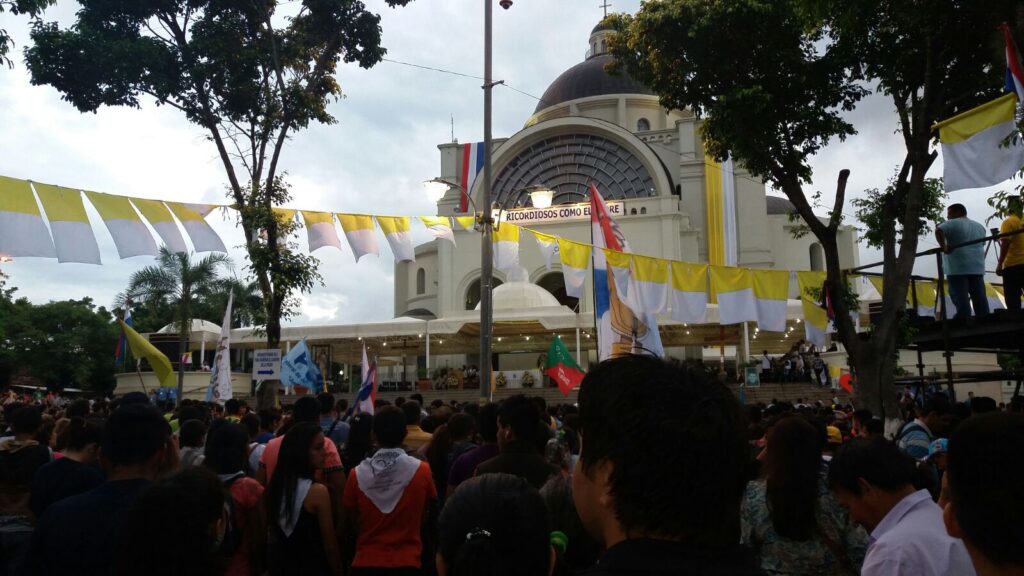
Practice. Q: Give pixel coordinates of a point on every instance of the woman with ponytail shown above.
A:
(790, 519)
(75, 473)
(496, 525)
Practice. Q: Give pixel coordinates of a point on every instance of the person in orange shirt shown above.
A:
(386, 500)
(415, 437)
(1011, 255)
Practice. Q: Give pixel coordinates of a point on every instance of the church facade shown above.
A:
(648, 162)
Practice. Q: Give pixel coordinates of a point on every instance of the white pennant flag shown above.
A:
(220, 375)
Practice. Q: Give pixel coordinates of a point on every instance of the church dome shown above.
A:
(778, 205)
(521, 294)
(589, 78)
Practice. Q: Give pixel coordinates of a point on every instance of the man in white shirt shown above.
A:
(766, 366)
(872, 479)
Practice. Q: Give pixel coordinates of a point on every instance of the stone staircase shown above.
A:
(790, 392)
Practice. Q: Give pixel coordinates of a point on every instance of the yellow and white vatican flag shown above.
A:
(320, 230)
(575, 258)
(69, 224)
(649, 284)
(815, 317)
(771, 291)
(548, 246)
(360, 233)
(465, 222)
(734, 290)
(973, 155)
(396, 231)
(22, 232)
(440, 227)
(995, 299)
(927, 299)
(193, 218)
(506, 246)
(720, 208)
(130, 234)
(160, 218)
(689, 300)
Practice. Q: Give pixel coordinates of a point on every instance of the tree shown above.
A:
(247, 76)
(68, 344)
(31, 7)
(179, 281)
(772, 79)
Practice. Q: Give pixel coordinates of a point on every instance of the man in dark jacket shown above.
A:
(521, 439)
(661, 471)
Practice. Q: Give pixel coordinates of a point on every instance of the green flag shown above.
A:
(562, 367)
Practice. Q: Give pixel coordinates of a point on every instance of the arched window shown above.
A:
(817, 257)
(632, 211)
(555, 283)
(643, 209)
(473, 293)
(421, 281)
(643, 125)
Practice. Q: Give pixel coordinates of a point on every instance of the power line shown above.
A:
(462, 74)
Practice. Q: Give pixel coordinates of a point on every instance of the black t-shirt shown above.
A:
(520, 459)
(78, 535)
(18, 463)
(61, 479)
(650, 557)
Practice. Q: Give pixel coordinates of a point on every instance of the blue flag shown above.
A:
(298, 368)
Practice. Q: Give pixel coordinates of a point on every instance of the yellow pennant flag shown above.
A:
(142, 348)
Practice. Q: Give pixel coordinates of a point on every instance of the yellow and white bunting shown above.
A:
(689, 292)
(734, 290)
(69, 224)
(815, 318)
(160, 218)
(193, 218)
(440, 227)
(396, 231)
(995, 299)
(649, 286)
(620, 264)
(22, 232)
(130, 235)
(771, 291)
(360, 233)
(575, 258)
(320, 230)
(548, 246)
(506, 246)
(465, 222)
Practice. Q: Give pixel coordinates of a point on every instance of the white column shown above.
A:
(202, 351)
(428, 348)
(578, 359)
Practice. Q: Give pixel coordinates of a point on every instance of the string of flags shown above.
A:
(647, 285)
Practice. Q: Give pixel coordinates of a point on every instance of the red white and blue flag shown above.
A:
(121, 342)
(1014, 72)
(619, 331)
(367, 395)
(472, 163)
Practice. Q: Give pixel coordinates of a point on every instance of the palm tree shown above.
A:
(247, 309)
(178, 280)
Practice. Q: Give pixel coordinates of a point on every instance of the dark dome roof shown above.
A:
(777, 205)
(588, 78)
(602, 25)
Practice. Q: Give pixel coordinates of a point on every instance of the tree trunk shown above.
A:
(266, 396)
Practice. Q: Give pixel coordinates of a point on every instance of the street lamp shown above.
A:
(541, 197)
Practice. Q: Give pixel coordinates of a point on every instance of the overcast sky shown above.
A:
(373, 161)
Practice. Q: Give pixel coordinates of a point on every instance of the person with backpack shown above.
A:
(245, 535)
(932, 421)
(331, 421)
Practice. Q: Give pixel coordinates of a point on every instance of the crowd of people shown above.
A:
(657, 470)
(803, 363)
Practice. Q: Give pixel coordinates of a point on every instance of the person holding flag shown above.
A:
(122, 343)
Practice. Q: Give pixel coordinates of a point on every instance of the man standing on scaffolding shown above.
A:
(1011, 255)
(964, 266)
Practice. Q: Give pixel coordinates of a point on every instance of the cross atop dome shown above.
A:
(606, 6)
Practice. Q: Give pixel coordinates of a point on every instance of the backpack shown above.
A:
(907, 429)
(233, 533)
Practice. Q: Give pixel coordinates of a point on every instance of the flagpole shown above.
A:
(486, 222)
(593, 281)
